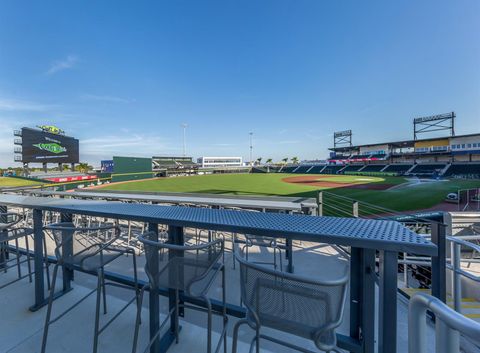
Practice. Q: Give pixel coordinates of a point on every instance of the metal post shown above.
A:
(251, 148)
(175, 236)
(154, 300)
(3, 219)
(289, 254)
(355, 209)
(456, 279)
(320, 203)
(439, 262)
(67, 249)
(38, 259)
(362, 297)
(388, 302)
(447, 340)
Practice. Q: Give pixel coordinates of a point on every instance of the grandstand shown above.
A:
(448, 156)
(454, 155)
(168, 165)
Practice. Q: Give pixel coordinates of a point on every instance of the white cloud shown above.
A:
(108, 99)
(13, 105)
(60, 65)
(138, 145)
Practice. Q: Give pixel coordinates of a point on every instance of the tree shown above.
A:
(259, 160)
(294, 160)
(269, 161)
(285, 160)
(84, 167)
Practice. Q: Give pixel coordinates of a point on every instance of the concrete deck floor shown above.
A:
(21, 330)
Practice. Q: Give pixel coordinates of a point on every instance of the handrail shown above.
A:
(449, 324)
(463, 242)
(457, 270)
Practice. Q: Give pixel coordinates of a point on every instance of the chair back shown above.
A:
(294, 304)
(78, 245)
(182, 267)
(8, 220)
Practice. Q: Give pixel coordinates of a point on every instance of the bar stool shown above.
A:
(89, 249)
(10, 231)
(190, 269)
(290, 303)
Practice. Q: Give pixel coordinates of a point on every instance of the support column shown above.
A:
(439, 262)
(67, 249)
(387, 334)
(3, 247)
(38, 259)
(362, 297)
(154, 299)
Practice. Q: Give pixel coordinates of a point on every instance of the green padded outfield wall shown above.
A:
(131, 168)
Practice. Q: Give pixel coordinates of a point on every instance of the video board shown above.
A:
(44, 147)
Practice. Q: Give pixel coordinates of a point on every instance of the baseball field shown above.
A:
(396, 193)
(6, 182)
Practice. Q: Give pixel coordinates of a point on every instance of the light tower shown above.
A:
(251, 147)
(184, 126)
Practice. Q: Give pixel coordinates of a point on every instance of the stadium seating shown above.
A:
(331, 169)
(288, 169)
(373, 168)
(302, 169)
(398, 168)
(258, 170)
(464, 169)
(427, 169)
(316, 169)
(353, 167)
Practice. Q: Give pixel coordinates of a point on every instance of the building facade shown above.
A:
(220, 162)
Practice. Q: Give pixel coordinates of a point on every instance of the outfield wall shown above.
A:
(131, 168)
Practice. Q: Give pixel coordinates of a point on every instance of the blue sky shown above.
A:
(123, 75)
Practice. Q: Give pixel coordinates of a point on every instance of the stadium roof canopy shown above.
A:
(396, 144)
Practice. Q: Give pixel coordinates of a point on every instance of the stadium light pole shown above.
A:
(184, 126)
(251, 147)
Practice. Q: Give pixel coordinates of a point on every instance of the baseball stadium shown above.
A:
(403, 214)
(422, 174)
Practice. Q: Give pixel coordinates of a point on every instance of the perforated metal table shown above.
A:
(180, 198)
(363, 236)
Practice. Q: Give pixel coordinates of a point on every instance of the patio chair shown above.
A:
(259, 241)
(88, 249)
(11, 231)
(289, 303)
(184, 269)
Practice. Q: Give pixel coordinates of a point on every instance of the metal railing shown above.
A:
(449, 325)
(417, 271)
(456, 244)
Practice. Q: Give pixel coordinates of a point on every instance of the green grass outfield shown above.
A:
(6, 182)
(404, 198)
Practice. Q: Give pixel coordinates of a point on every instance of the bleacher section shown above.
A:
(332, 169)
(427, 169)
(316, 169)
(373, 168)
(464, 169)
(302, 169)
(398, 168)
(353, 168)
(470, 170)
(288, 169)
